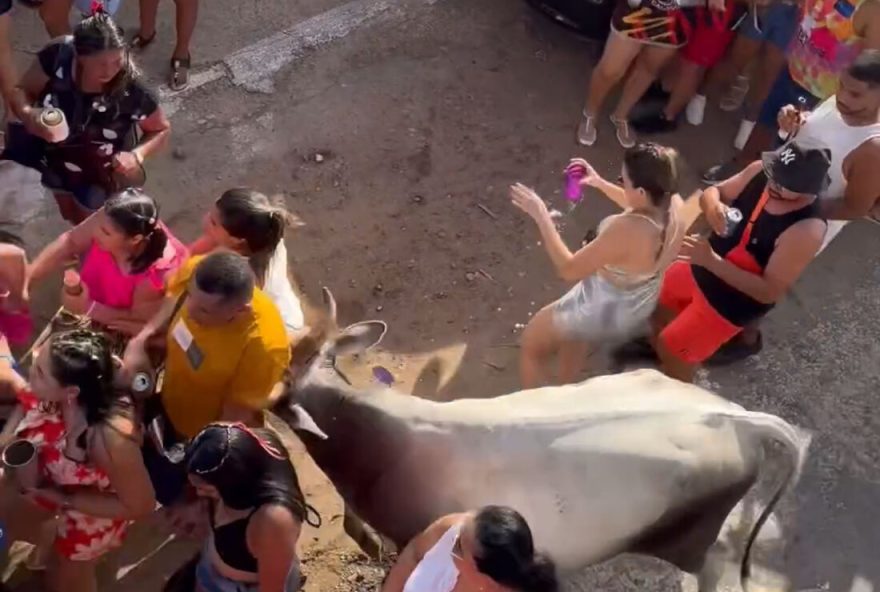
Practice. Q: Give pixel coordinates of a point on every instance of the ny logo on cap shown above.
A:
(787, 156)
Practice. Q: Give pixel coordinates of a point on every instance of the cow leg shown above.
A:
(363, 535)
(712, 572)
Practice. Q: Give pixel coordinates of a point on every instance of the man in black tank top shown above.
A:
(721, 283)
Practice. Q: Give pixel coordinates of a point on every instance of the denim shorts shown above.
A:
(777, 23)
(210, 580)
(785, 91)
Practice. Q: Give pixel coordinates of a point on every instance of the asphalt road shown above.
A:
(422, 110)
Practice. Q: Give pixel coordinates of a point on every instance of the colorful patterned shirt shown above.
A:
(824, 45)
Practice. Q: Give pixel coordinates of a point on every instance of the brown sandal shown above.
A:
(139, 42)
(179, 78)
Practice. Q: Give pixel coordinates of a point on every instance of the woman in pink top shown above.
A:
(125, 252)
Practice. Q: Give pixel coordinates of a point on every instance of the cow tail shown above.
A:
(797, 442)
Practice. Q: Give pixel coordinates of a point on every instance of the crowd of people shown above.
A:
(209, 324)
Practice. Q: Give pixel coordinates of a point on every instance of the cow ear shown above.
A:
(358, 338)
(302, 421)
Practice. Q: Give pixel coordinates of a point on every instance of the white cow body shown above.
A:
(590, 466)
(632, 462)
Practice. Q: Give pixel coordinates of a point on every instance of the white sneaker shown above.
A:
(742, 135)
(696, 110)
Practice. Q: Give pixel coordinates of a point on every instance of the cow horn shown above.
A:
(330, 303)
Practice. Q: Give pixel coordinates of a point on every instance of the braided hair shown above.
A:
(81, 358)
(248, 467)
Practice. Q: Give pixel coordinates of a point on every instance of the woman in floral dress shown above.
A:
(92, 480)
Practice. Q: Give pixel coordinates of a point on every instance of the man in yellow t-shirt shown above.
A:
(226, 349)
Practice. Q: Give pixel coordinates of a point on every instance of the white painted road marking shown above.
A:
(253, 66)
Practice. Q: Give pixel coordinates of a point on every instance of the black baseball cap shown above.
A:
(798, 168)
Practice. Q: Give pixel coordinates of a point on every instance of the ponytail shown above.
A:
(505, 552)
(251, 216)
(154, 248)
(137, 214)
(540, 575)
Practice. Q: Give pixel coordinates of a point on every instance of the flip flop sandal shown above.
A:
(140, 43)
(179, 78)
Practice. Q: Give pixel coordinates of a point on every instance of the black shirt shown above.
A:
(101, 124)
(735, 306)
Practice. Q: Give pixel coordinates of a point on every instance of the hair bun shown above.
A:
(541, 575)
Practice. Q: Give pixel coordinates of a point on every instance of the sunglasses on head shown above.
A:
(229, 427)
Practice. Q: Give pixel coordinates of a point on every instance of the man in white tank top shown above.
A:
(848, 123)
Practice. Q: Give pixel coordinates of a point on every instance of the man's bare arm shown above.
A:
(862, 192)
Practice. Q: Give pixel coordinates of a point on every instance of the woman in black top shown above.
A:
(115, 122)
(257, 509)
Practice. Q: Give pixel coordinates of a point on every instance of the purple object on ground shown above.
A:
(383, 375)
(573, 190)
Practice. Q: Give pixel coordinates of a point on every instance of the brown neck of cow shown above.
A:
(362, 441)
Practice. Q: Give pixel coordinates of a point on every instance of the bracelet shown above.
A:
(138, 157)
(91, 309)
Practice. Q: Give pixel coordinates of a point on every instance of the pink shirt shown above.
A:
(109, 285)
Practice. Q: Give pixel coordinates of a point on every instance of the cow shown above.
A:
(627, 463)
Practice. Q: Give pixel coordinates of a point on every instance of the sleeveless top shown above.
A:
(230, 542)
(277, 287)
(825, 127)
(666, 252)
(109, 285)
(436, 572)
(824, 45)
(750, 248)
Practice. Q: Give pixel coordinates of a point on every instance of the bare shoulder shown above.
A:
(270, 524)
(274, 520)
(866, 21)
(116, 438)
(806, 233)
(429, 537)
(275, 516)
(862, 161)
(870, 149)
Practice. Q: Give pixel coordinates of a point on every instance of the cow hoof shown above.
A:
(364, 537)
(372, 546)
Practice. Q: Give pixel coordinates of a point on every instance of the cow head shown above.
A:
(314, 385)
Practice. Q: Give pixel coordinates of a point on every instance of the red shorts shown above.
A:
(708, 43)
(697, 331)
